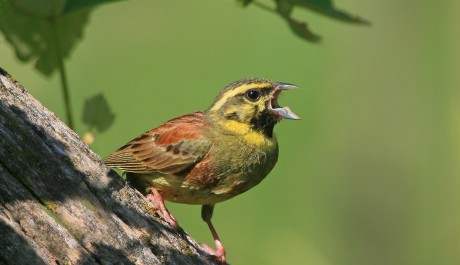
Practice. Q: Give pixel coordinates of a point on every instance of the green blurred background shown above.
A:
(370, 175)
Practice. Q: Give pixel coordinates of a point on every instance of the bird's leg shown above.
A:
(206, 214)
(159, 203)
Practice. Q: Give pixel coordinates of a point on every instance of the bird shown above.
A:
(207, 157)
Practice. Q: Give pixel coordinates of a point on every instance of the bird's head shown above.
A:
(250, 104)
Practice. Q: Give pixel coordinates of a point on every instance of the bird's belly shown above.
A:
(231, 184)
(232, 180)
(177, 190)
(171, 189)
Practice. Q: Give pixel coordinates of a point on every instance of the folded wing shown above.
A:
(173, 148)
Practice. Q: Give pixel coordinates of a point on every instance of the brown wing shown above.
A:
(171, 148)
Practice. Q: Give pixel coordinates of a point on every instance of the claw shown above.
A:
(219, 252)
(159, 206)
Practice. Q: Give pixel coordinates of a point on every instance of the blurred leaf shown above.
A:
(43, 30)
(73, 5)
(97, 113)
(34, 38)
(285, 8)
(245, 2)
(39, 8)
(327, 8)
(53, 8)
(301, 29)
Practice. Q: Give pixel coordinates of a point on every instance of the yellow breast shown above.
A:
(252, 137)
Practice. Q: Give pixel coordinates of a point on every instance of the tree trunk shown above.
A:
(60, 205)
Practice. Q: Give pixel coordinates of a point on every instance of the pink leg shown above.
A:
(206, 214)
(156, 198)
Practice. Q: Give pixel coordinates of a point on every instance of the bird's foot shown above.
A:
(159, 205)
(219, 252)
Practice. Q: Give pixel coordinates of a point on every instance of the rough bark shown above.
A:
(60, 205)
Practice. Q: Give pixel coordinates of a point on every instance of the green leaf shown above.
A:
(73, 5)
(40, 40)
(284, 7)
(326, 7)
(301, 29)
(39, 8)
(97, 113)
(244, 2)
(44, 31)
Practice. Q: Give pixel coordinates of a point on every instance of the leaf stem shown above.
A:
(63, 75)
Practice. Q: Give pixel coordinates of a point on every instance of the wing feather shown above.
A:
(171, 148)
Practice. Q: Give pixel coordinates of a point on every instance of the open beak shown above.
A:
(281, 112)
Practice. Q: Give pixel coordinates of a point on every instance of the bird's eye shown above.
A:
(253, 95)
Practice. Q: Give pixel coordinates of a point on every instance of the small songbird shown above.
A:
(210, 156)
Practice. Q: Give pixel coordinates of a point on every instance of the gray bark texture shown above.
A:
(59, 204)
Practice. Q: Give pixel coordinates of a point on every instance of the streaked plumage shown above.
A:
(208, 156)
